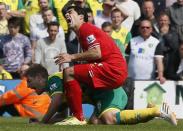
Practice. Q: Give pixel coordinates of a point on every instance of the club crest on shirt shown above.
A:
(90, 39)
(53, 86)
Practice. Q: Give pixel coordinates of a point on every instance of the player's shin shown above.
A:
(136, 116)
(74, 97)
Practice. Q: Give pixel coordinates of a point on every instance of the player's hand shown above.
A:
(63, 58)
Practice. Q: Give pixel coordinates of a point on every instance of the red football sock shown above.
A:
(74, 97)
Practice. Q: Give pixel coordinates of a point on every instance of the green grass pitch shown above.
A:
(21, 124)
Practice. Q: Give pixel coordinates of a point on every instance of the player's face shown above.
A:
(73, 19)
(36, 83)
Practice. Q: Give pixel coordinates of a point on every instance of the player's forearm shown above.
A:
(53, 107)
(51, 111)
(92, 54)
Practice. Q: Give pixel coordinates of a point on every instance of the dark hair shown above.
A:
(47, 9)
(37, 70)
(53, 23)
(163, 13)
(144, 1)
(145, 20)
(66, 6)
(79, 10)
(88, 10)
(15, 21)
(106, 24)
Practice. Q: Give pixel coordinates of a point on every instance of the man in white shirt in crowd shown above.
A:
(141, 52)
(40, 30)
(49, 47)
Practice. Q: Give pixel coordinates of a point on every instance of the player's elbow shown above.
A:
(96, 52)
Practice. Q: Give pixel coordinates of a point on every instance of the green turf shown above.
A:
(20, 124)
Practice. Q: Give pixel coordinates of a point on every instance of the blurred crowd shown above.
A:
(149, 34)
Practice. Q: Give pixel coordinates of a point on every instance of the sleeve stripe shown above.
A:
(56, 92)
(94, 45)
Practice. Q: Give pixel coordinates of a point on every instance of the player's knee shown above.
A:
(109, 121)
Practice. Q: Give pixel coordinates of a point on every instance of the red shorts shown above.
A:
(100, 75)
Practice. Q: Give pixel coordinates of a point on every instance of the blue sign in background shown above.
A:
(8, 85)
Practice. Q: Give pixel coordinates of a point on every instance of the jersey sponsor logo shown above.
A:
(53, 86)
(141, 51)
(90, 39)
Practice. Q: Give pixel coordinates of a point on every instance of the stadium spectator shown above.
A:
(16, 48)
(3, 19)
(23, 101)
(131, 9)
(141, 52)
(147, 13)
(109, 104)
(49, 47)
(81, 3)
(107, 28)
(119, 31)
(90, 15)
(167, 50)
(105, 15)
(170, 2)
(159, 5)
(176, 17)
(40, 30)
(104, 68)
(15, 8)
(179, 72)
(31, 7)
(57, 7)
(4, 75)
(96, 6)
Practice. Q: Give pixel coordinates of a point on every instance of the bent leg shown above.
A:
(137, 116)
(73, 93)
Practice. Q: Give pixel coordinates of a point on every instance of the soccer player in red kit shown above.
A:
(105, 67)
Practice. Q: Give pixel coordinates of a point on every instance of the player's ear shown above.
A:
(81, 17)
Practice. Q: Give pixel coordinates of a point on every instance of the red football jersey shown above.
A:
(112, 66)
